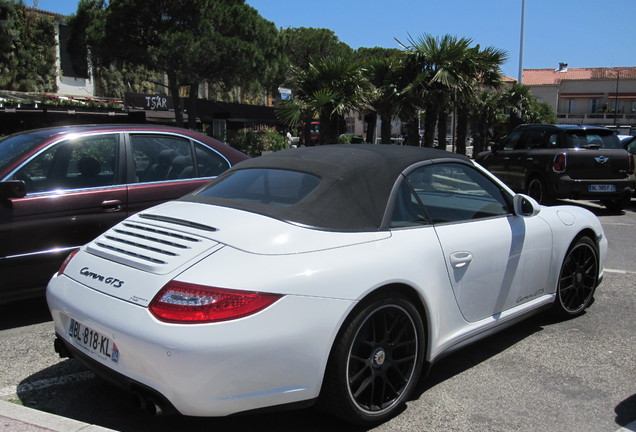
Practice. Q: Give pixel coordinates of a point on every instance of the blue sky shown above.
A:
(582, 33)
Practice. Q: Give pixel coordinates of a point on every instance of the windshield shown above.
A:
(14, 145)
(593, 139)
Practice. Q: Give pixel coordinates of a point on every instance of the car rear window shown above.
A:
(593, 139)
(266, 186)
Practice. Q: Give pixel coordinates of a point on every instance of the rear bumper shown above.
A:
(566, 187)
(209, 370)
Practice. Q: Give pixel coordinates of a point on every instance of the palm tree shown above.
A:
(328, 88)
(439, 64)
(481, 70)
(383, 74)
(449, 73)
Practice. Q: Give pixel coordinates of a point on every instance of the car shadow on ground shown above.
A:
(24, 313)
(474, 354)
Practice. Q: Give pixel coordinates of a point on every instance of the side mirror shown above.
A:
(12, 189)
(494, 147)
(525, 206)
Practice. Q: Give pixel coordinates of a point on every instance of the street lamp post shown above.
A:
(523, 19)
(618, 77)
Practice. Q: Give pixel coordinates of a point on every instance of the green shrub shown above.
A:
(255, 143)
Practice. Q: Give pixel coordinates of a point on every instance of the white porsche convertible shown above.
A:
(334, 274)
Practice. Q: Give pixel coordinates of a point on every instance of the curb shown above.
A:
(18, 418)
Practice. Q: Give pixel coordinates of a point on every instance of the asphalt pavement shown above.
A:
(18, 418)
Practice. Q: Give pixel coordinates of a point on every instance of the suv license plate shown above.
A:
(93, 341)
(601, 188)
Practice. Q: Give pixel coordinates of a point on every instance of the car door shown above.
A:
(495, 259)
(75, 192)
(498, 161)
(166, 166)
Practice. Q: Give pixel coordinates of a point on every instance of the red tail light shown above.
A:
(184, 303)
(560, 163)
(66, 261)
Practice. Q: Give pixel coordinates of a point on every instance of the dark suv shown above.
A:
(564, 161)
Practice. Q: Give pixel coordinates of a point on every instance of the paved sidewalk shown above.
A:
(17, 418)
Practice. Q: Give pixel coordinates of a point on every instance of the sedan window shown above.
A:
(456, 192)
(166, 157)
(79, 163)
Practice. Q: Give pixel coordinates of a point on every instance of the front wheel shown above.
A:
(376, 361)
(538, 190)
(578, 279)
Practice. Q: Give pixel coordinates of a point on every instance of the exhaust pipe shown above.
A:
(147, 404)
(61, 349)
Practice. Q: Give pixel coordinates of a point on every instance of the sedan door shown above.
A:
(74, 193)
(495, 259)
(165, 167)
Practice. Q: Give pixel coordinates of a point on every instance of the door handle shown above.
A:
(460, 259)
(111, 205)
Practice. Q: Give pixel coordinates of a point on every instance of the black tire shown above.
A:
(375, 362)
(538, 190)
(616, 204)
(578, 279)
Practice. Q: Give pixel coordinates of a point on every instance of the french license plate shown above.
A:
(601, 188)
(93, 341)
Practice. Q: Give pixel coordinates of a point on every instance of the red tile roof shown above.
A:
(554, 77)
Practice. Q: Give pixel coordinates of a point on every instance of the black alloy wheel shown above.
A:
(578, 279)
(376, 362)
(617, 204)
(538, 190)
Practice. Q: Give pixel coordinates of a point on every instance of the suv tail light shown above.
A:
(185, 303)
(560, 163)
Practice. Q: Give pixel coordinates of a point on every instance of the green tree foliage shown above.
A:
(383, 69)
(495, 114)
(329, 88)
(304, 46)
(190, 40)
(27, 49)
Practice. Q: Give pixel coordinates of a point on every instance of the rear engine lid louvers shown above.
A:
(156, 245)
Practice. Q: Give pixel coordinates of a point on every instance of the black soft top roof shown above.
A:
(355, 186)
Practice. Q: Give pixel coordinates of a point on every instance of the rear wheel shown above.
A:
(616, 204)
(578, 279)
(376, 361)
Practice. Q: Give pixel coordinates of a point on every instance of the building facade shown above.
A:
(594, 96)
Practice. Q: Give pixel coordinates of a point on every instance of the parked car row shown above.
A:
(564, 161)
(384, 258)
(61, 187)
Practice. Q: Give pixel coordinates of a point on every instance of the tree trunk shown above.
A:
(462, 129)
(413, 131)
(173, 84)
(430, 119)
(192, 106)
(385, 129)
(371, 118)
(442, 128)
